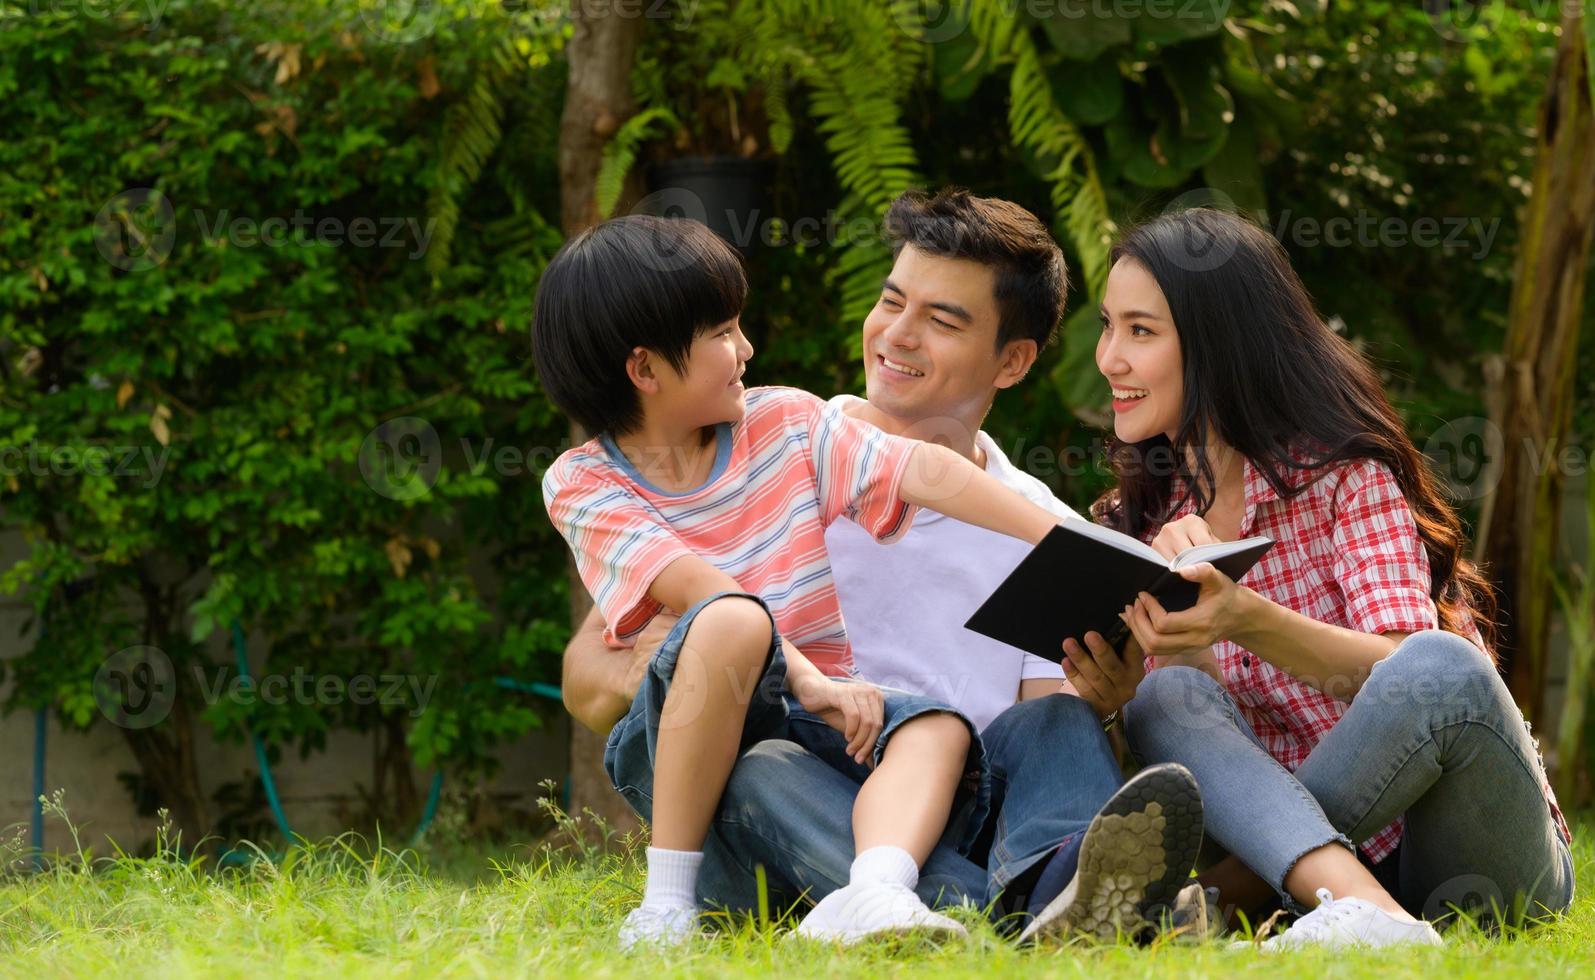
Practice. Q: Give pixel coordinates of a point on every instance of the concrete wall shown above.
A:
(315, 793)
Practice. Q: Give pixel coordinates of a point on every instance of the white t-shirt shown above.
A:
(905, 603)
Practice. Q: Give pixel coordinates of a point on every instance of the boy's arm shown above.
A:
(940, 479)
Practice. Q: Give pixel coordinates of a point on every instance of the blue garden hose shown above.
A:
(40, 729)
(428, 811)
(268, 784)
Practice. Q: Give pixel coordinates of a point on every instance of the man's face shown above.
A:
(930, 343)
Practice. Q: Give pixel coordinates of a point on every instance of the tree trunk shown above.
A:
(165, 756)
(166, 753)
(597, 100)
(1532, 396)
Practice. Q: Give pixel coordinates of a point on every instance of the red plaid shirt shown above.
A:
(1347, 553)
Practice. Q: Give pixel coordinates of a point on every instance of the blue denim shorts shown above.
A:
(773, 712)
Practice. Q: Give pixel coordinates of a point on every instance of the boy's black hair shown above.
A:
(1032, 280)
(636, 281)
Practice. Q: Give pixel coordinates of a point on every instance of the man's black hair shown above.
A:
(1032, 281)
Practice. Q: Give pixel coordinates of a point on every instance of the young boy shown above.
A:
(703, 497)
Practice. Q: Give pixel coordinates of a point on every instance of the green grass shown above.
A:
(338, 908)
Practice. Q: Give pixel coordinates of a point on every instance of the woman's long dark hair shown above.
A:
(1265, 373)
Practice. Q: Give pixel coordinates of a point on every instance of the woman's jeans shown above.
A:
(1433, 735)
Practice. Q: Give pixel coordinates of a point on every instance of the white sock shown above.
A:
(672, 879)
(885, 863)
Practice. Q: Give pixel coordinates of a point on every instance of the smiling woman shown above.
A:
(1240, 412)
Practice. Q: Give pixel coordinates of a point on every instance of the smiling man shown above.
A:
(976, 291)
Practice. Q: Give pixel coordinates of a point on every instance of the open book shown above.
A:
(1082, 575)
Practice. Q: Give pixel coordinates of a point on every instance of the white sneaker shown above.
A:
(660, 925)
(872, 909)
(1340, 922)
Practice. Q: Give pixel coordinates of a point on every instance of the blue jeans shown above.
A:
(788, 809)
(775, 718)
(1432, 734)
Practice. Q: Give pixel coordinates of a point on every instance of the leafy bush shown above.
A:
(215, 228)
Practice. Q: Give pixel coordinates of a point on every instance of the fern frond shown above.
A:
(777, 109)
(472, 128)
(1036, 124)
(621, 152)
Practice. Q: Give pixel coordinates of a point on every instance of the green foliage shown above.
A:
(621, 152)
(246, 377)
(245, 363)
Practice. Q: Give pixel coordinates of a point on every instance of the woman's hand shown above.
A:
(1219, 609)
(854, 708)
(1187, 532)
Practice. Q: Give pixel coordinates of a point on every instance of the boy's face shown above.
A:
(710, 390)
(930, 343)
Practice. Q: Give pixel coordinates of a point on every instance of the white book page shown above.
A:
(1209, 552)
(1119, 540)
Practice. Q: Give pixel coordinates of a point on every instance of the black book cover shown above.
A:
(1077, 580)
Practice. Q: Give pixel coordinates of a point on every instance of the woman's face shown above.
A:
(1139, 353)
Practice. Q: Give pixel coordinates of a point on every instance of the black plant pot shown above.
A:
(728, 194)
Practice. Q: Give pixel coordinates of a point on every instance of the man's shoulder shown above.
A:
(1000, 466)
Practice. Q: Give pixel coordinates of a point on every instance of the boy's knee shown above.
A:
(732, 631)
(941, 732)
